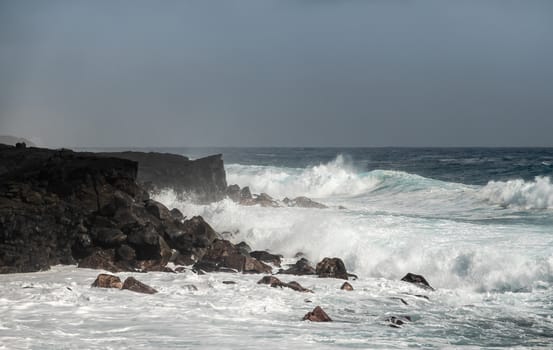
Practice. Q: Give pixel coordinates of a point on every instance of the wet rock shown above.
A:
(303, 202)
(245, 194)
(275, 282)
(271, 280)
(135, 285)
(229, 282)
(317, 315)
(332, 267)
(266, 257)
(262, 199)
(417, 280)
(225, 256)
(301, 267)
(107, 281)
(346, 286)
(297, 287)
(191, 239)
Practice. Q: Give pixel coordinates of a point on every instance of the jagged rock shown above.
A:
(203, 180)
(233, 192)
(64, 207)
(266, 257)
(244, 248)
(332, 267)
(346, 286)
(303, 202)
(396, 322)
(245, 194)
(225, 256)
(134, 285)
(107, 281)
(191, 239)
(417, 280)
(158, 210)
(301, 267)
(317, 315)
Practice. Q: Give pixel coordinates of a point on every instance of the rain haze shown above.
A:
(277, 73)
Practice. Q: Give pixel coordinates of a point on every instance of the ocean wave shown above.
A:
(450, 254)
(537, 194)
(336, 178)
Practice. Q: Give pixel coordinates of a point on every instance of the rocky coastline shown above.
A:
(94, 210)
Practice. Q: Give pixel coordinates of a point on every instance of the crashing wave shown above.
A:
(537, 194)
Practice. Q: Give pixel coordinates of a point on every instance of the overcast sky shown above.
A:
(277, 73)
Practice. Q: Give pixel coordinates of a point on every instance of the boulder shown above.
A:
(190, 238)
(417, 280)
(298, 287)
(266, 257)
(134, 285)
(107, 281)
(317, 315)
(332, 267)
(346, 286)
(301, 267)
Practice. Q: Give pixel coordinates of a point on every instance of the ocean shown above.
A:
(476, 222)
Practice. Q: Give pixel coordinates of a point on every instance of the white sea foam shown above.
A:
(336, 178)
(537, 194)
(451, 254)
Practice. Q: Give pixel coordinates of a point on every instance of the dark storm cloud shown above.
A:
(284, 73)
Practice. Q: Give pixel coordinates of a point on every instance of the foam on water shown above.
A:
(487, 249)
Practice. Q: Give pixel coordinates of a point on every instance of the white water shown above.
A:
(487, 249)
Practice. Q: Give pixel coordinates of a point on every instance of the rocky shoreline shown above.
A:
(93, 210)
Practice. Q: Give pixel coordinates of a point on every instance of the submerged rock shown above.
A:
(107, 281)
(317, 315)
(303, 202)
(417, 280)
(135, 285)
(275, 282)
(332, 267)
(397, 321)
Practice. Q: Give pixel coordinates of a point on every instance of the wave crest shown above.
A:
(537, 194)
